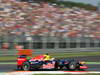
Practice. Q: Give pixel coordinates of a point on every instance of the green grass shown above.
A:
(7, 58)
(63, 55)
(55, 55)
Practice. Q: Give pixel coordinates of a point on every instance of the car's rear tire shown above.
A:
(56, 65)
(19, 67)
(26, 66)
(72, 66)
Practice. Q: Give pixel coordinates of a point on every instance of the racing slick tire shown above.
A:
(56, 65)
(19, 67)
(72, 66)
(26, 66)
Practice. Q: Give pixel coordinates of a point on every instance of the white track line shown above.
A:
(50, 72)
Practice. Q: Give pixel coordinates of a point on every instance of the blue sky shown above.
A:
(94, 2)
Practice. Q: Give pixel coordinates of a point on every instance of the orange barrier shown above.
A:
(27, 52)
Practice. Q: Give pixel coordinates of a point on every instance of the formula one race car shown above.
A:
(57, 64)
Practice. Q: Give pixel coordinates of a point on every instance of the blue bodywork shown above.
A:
(55, 63)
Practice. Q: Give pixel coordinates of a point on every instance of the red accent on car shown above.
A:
(39, 58)
(21, 60)
(83, 67)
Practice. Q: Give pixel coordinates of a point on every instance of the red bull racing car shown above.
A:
(57, 64)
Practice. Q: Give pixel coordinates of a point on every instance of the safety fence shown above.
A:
(49, 44)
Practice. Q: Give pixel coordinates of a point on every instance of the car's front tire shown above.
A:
(72, 66)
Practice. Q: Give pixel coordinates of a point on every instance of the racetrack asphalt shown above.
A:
(12, 67)
(92, 67)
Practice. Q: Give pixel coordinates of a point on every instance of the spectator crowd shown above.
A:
(47, 19)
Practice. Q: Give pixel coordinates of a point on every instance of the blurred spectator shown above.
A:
(5, 45)
(18, 47)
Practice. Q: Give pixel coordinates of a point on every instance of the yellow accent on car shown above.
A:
(82, 62)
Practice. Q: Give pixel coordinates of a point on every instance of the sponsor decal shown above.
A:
(48, 65)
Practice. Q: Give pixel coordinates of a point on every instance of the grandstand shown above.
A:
(46, 26)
